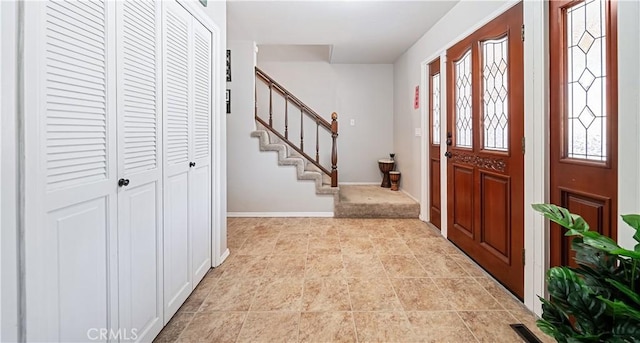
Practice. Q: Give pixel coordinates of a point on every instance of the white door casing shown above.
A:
(140, 167)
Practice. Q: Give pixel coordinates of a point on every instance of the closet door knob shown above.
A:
(123, 182)
(192, 164)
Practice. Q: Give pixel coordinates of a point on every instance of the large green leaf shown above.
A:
(626, 331)
(562, 281)
(620, 309)
(587, 309)
(631, 294)
(633, 220)
(562, 217)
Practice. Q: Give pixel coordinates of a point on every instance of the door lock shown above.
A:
(448, 154)
(449, 141)
(123, 182)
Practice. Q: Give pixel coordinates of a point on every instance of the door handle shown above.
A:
(123, 182)
(448, 154)
(192, 164)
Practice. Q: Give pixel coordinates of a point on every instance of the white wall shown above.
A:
(628, 116)
(359, 92)
(8, 197)
(256, 184)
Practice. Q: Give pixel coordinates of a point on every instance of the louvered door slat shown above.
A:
(202, 86)
(75, 94)
(139, 96)
(177, 75)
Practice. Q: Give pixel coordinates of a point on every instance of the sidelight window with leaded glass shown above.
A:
(463, 117)
(586, 120)
(435, 108)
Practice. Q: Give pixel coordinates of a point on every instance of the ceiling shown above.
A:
(353, 31)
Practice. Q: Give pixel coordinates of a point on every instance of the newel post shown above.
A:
(334, 150)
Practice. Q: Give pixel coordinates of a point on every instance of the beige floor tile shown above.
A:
(373, 295)
(279, 294)
(413, 229)
(235, 242)
(439, 326)
(231, 294)
(402, 266)
(425, 245)
(390, 246)
(174, 328)
(420, 295)
(206, 285)
(491, 326)
(256, 245)
(324, 266)
(465, 294)
(440, 265)
(383, 327)
(324, 245)
(326, 294)
(504, 297)
(285, 266)
(292, 244)
(356, 245)
(382, 231)
(322, 327)
(270, 327)
(243, 266)
(363, 266)
(468, 265)
(213, 327)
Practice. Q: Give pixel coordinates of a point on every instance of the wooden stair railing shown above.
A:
(305, 112)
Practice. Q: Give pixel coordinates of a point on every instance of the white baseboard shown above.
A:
(358, 183)
(278, 214)
(223, 257)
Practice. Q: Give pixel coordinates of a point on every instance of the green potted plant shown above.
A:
(600, 300)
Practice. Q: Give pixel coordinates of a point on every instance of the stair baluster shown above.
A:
(305, 111)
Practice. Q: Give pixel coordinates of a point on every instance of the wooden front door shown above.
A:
(434, 143)
(583, 111)
(485, 154)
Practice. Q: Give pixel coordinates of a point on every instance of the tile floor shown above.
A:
(345, 280)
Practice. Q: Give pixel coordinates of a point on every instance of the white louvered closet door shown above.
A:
(71, 177)
(200, 177)
(177, 140)
(139, 168)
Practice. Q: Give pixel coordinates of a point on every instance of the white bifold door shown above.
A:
(117, 167)
(187, 173)
(70, 171)
(139, 49)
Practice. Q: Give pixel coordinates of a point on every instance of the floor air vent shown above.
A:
(525, 333)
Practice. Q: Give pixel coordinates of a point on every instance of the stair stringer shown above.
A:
(289, 157)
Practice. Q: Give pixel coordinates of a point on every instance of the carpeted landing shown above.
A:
(372, 201)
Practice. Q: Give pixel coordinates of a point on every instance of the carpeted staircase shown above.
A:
(290, 157)
(350, 201)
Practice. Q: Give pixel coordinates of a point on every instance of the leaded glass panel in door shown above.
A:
(435, 108)
(463, 115)
(495, 100)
